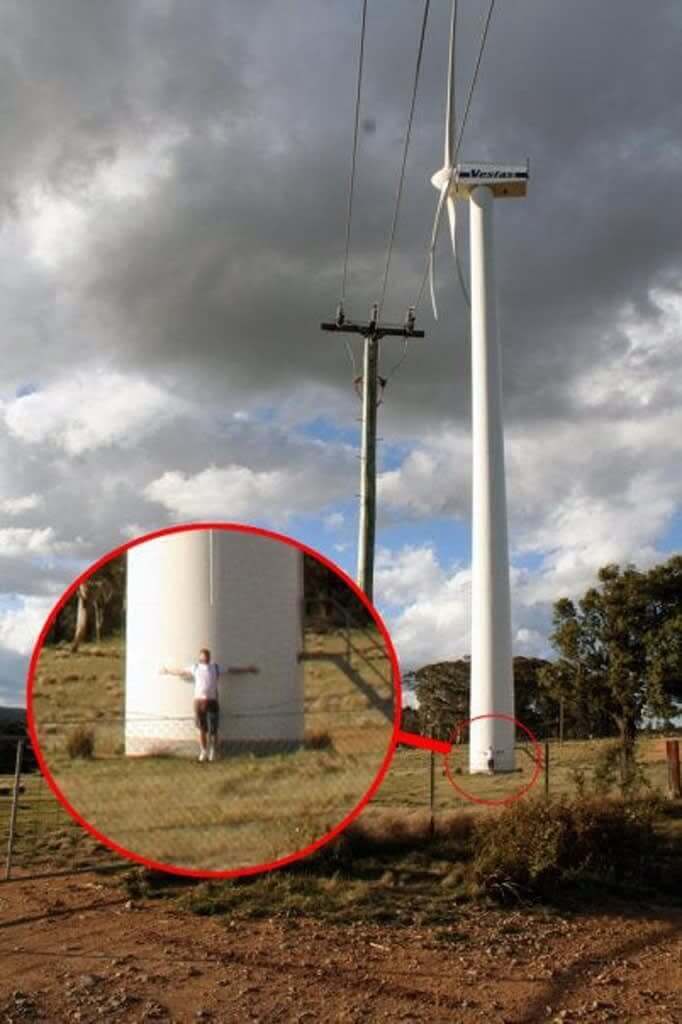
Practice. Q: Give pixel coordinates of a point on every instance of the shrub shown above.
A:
(81, 742)
(614, 769)
(535, 845)
(318, 739)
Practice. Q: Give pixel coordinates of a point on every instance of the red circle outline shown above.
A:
(232, 872)
(456, 735)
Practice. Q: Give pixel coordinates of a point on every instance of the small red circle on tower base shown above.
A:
(456, 741)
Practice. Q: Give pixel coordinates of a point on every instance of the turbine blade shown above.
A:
(450, 117)
(432, 247)
(451, 218)
(452, 215)
(432, 289)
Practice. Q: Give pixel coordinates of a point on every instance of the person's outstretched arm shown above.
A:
(182, 673)
(239, 670)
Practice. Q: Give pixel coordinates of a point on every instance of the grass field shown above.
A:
(247, 807)
(571, 769)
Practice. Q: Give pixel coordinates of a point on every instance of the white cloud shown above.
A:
(232, 492)
(583, 493)
(16, 506)
(89, 410)
(57, 226)
(334, 521)
(16, 541)
(407, 575)
(432, 480)
(20, 627)
(132, 530)
(433, 620)
(314, 477)
(430, 618)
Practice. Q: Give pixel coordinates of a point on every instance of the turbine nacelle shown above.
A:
(458, 182)
(502, 179)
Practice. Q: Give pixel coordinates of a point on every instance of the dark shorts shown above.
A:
(207, 715)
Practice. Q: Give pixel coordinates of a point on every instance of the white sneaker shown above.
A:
(202, 755)
(211, 753)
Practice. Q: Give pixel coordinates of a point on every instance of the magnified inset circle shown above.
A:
(214, 700)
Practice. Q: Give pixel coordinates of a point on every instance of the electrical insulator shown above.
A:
(410, 319)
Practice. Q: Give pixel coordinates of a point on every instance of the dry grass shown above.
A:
(80, 742)
(246, 809)
(243, 809)
(571, 768)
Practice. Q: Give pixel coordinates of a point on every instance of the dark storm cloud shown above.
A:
(227, 266)
(83, 77)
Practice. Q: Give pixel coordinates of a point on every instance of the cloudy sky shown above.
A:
(173, 185)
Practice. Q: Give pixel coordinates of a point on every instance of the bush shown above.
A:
(318, 739)
(81, 742)
(535, 845)
(613, 769)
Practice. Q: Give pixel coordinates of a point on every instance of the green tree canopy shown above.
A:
(443, 693)
(620, 647)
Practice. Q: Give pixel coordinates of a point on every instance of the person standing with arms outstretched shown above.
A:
(205, 674)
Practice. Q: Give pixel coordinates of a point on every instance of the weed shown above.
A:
(319, 739)
(535, 846)
(80, 743)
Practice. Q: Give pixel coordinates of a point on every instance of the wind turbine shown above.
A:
(492, 677)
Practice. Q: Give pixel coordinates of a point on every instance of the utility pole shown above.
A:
(368, 466)
(372, 332)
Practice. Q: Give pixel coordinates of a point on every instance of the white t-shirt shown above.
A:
(205, 680)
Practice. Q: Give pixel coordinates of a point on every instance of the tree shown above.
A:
(329, 601)
(620, 649)
(82, 615)
(409, 719)
(534, 705)
(443, 693)
(97, 608)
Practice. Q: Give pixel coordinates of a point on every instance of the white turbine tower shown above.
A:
(492, 679)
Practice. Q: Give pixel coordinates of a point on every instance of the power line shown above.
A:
(396, 366)
(355, 150)
(451, 122)
(420, 52)
(465, 116)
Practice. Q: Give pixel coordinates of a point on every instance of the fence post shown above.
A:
(15, 805)
(672, 750)
(432, 791)
(546, 769)
(349, 645)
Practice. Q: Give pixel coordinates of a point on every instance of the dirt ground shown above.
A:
(77, 949)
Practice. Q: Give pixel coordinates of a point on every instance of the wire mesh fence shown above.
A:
(247, 806)
(261, 784)
(217, 806)
(37, 835)
(280, 777)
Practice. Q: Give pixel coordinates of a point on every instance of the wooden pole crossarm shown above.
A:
(368, 330)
